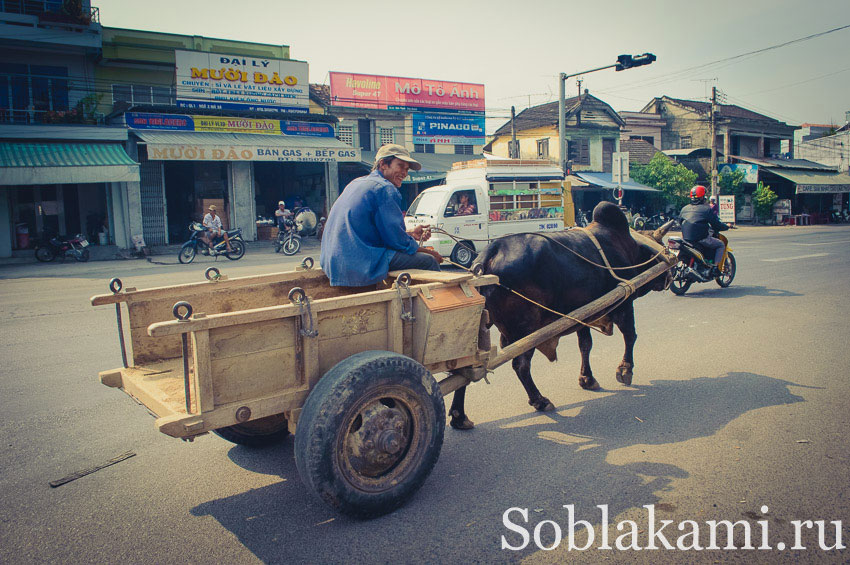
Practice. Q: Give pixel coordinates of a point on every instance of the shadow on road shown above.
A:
(737, 292)
(536, 461)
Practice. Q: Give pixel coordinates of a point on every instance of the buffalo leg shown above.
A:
(585, 344)
(522, 368)
(459, 420)
(626, 323)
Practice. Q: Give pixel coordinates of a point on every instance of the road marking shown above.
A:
(797, 257)
(824, 242)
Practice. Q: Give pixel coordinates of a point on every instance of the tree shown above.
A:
(674, 180)
(733, 183)
(764, 199)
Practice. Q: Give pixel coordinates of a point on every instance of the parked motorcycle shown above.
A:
(653, 222)
(288, 239)
(581, 219)
(694, 267)
(75, 247)
(839, 217)
(196, 245)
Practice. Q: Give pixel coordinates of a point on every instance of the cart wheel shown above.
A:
(263, 432)
(370, 433)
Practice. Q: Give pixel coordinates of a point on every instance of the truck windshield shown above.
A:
(426, 204)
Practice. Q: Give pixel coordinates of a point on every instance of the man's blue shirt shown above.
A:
(365, 228)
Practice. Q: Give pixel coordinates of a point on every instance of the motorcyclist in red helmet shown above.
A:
(695, 219)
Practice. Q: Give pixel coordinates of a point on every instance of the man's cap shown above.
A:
(213, 208)
(713, 198)
(399, 152)
(281, 203)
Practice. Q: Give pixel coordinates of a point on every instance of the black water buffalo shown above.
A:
(540, 268)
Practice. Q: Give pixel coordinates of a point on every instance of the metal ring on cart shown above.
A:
(307, 263)
(115, 285)
(477, 269)
(297, 295)
(403, 279)
(212, 270)
(176, 311)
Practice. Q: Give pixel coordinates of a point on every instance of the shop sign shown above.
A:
(186, 152)
(782, 206)
(822, 188)
(224, 124)
(751, 172)
(726, 208)
(399, 93)
(217, 81)
(451, 129)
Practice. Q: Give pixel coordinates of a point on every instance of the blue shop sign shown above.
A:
(174, 122)
(458, 128)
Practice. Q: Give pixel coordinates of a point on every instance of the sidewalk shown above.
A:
(114, 253)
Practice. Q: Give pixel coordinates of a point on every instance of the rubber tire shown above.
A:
(719, 280)
(187, 254)
(337, 397)
(679, 287)
(462, 255)
(263, 432)
(238, 250)
(83, 256)
(291, 246)
(44, 254)
(277, 246)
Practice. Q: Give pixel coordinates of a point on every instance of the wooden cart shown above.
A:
(348, 370)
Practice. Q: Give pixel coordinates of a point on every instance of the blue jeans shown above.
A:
(402, 261)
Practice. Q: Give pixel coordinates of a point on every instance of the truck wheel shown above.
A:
(463, 253)
(370, 433)
(257, 433)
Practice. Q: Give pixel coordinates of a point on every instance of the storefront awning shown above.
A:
(208, 146)
(814, 181)
(603, 180)
(65, 163)
(434, 165)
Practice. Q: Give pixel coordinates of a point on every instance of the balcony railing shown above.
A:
(53, 11)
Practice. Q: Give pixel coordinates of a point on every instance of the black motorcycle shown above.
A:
(302, 223)
(76, 247)
(197, 245)
(694, 267)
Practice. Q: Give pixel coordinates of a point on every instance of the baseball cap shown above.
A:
(399, 152)
(213, 208)
(281, 203)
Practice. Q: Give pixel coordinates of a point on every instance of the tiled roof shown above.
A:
(724, 110)
(321, 93)
(640, 152)
(547, 114)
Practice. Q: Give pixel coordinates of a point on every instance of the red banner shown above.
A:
(398, 93)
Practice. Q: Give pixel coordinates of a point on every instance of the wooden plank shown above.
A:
(312, 367)
(181, 425)
(346, 322)
(586, 312)
(395, 326)
(202, 389)
(158, 386)
(252, 338)
(146, 349)
(422, 276)
(332, 351)
(254, 375)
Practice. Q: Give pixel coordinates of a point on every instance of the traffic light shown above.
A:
(629, 61)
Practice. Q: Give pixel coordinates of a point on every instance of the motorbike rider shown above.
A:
(212, 223)
(712, 203)
(281, 215)
(695, 219)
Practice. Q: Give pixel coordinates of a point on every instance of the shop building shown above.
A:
(59, 172)
(439, 122)
(220, 122)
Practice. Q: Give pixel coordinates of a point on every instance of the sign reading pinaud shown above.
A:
(399, 93)
(216, 81)
(452, 129)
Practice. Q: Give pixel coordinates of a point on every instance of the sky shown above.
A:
(517, 49)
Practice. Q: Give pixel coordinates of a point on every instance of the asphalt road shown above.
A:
(740, 401)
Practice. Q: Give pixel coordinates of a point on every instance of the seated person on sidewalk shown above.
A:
(364, 236)
(281, 215)
(213, 224)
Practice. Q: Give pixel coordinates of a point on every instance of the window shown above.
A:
(686, 142)
(463, 149)
(423, 148)
(138, 94)
(462, 203)
(28, 92)
(543, 148)
(345, 134)
(578, 151)
(387, 136)
(162, 95)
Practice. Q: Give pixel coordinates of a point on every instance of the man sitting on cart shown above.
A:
(364, 236)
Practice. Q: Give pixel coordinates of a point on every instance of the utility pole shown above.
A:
(514, 152)
(578, 84)
(623, 62)
(713, 130)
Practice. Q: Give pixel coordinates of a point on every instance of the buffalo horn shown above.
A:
(658, 234)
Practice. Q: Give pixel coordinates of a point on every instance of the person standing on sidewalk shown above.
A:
(364, 237)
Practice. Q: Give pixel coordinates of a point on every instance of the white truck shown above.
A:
(483, 200)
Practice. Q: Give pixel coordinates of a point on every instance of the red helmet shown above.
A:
(698, 191)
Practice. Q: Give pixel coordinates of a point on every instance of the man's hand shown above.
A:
(432, 252)
(421, 232)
